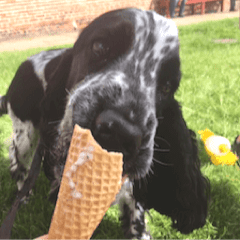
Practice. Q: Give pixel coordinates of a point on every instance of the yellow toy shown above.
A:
(218, 148)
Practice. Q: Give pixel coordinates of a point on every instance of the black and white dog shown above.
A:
(119, 81)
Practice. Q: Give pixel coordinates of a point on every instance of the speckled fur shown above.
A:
(134, 74)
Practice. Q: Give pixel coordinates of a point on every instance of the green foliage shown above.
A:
(209, 93)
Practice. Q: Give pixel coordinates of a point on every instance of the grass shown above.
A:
(209, 94)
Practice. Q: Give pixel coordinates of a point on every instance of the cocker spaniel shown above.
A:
(119, 81)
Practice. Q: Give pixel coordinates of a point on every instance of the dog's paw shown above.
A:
(144, 236)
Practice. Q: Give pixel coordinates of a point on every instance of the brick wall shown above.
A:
(24, 16)
(21, 17)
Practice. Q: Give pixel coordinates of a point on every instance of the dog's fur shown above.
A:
(121, 74)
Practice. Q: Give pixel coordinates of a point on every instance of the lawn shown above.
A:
(209, 93)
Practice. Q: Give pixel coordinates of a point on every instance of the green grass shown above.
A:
(209, 93)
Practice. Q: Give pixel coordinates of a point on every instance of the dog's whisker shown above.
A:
(162, 163)
(150, 171)
(45, 146)
(145, 180)
(68, 92)
(161, 150)
(53, 122)
(164, 140)
(139, 184)
(138, 174)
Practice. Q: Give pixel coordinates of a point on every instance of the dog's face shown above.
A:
(125, 64)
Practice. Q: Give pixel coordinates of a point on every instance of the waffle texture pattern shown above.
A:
(91, 179)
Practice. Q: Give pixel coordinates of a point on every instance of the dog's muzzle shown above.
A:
(121, 119)
(115, 133)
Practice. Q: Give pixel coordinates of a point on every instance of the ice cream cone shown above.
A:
(42, 237)
(91, 179)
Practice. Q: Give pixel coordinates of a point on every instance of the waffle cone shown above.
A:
(91, 179)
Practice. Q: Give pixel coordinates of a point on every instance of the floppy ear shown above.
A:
(81, 57)
(53, 107)
(189, 194)
(191, 188)
(79, 69)
(53, 103)
(176, 186)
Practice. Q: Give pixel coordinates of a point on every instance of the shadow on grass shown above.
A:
(224, 212)
(34, 219)
(224, 209)
(204, 158)
(8, 188)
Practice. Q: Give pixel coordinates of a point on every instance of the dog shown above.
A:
(119, 81)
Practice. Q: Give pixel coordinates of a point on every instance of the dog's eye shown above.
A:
(99, 49)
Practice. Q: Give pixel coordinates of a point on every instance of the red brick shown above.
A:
(32, 14)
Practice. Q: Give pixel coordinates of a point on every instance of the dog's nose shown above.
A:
(115, 133)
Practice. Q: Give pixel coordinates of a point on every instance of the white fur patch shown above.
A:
(23, 145)
(164, 28)
(24, 137)
(40, 61)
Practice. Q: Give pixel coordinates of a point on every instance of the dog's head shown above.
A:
(125, 65)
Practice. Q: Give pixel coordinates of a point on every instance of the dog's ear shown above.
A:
(79, 69)
(53, 103)
(183, 192)
(190, 189)
(53, 106)
(82, 53)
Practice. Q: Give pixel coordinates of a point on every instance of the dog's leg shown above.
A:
(22, 148)
(132, 214)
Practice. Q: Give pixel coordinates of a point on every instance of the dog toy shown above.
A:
(91, 179)
(218, 148)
